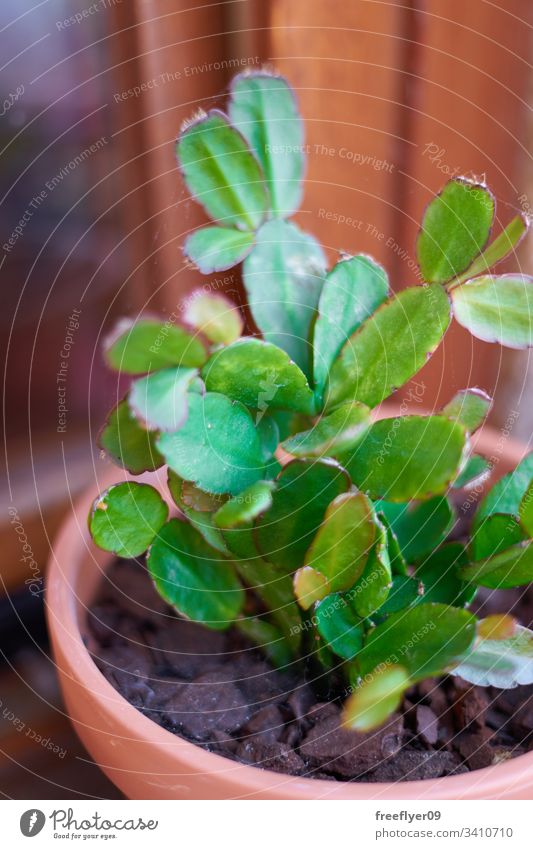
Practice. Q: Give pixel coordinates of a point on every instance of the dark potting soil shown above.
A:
(217, 691)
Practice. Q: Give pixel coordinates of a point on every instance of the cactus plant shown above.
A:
(299, 517)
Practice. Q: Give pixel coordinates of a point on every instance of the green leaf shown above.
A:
(526, 511)
(499, 248)
(264, 109)
(126, 518)
(260, 375)
(268, 638)
(375, 699)
(390, 347)
(221, 172)
(236, 517)
(148, 345)
(310, 586)
(500, 663)
(404, 593)
(371, 590)
(341, 546)
(246, 506)
(332, 435)
(470, 407)
(218, 318)
(205, 525)
(506, 495)
(419, 528)
(494, 534)
(438, 573)
(475, 471)
(455, 228)
(497, 309)
(193, 578)
(510, 568)
(398, 564)
(161, 399)
(410, 457)
(268, 430)
(352, 290)
(217, 248)
(275, 591)
(339, 626)
(299, 503)
(283, 277)
(217, 448)
(127, 443)
(426, 640)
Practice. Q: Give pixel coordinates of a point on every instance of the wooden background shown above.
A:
(396, 96)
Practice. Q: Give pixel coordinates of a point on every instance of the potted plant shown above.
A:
(294, 600)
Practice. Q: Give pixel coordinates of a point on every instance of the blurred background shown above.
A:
(397, 97)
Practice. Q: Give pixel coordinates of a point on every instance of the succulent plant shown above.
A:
(317, 528)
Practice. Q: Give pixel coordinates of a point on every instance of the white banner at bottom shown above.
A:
(262, 825)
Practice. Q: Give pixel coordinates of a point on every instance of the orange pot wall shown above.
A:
(147, 762)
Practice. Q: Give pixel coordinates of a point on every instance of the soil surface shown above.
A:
(217, 691)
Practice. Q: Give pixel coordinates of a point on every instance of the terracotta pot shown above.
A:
(147, 762)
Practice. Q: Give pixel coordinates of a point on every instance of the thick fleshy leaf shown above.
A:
(376, 698)
(339, 626)
(275, 591)
(221, 172)
(343, 541)
(404, 593)
(371, 590)
(352, 290)
(410, 457)
(398, 563)
(195, 498)
(126, 518)
(505, 496)
(500, 663)
(236, 517)
(218, 318)
(419, 527)
(332, 435)
(507, 241)
(268, 638)
(217, 248)
(526, 511)
(246, 506)
(263, 108)
(510, 568)
(439, 575)
(310, 586)
(147, 345)
(205, 525)
(497, 309)
(494, 534)
(161, 399)
(475, 471)
(217, 448)
(390, 346)
(283, 277)
(193, 578)
(455, 229)
(470, 407)
(260, 375)
(128, 443)
(268, 430)
(426, 640)
(304, 490)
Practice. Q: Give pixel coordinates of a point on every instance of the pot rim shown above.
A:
(70, 554)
